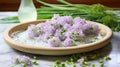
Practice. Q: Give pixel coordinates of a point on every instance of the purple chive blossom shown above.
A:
(68, 19)
(41, 37)
(62, 29)
(55, 16)
(65, 19)
(60, 33)
(22, 59)
(49, 29)
(54, 42)
(60, 23)
(15, 59)
(75, 35)
(45, 37)
(77, 27)
(40, 25)
(66, 26)
(32, 31)
(68, 42)
(39, 28)
(79, 20)
(90, 29)
(54, 24)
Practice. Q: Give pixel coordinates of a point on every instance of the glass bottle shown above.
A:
(27, 11)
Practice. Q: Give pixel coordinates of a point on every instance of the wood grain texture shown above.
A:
(13, 5)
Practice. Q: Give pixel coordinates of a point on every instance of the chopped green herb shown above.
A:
(62, 65)
(57, 62)
(17, 61)
(74, 65)
(13, 66)
(35, 57)
(23, 64)
(85, 63)
(71, 59)
(101, 64)
(101, 61)
(24, 61)
(35, 63)
(93, 65)
(107, 58)
(67, 62)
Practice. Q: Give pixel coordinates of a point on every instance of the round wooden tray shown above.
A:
(29, 48)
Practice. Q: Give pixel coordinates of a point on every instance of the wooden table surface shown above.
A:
(6, 52)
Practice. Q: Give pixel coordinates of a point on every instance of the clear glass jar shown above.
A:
(27, 11)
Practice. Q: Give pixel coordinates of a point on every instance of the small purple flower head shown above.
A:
(39, 28)
(40, 25)
(68, 19)
(45, 37)
(49, 29)
(68, 42)
(15, 59)
(32, 31)
(79, 20)
(55, 24)
(55, 16)
(22, 59)
(47, 22)
(54, 42)
(76, 27)
(60, 34)
(81, 60)
(66, 26)
(60, 23)
(65, 19)
(75, 35)
(90, 29)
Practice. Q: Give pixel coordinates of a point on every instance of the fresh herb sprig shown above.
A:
(96, 12)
